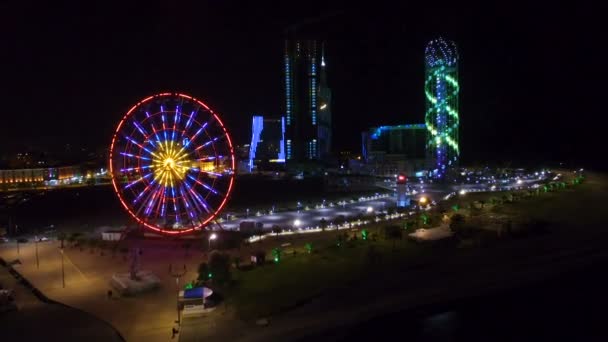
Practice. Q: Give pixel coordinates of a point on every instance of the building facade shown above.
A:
(307, 102)
(267, 142)
(389, 150)
(15, 177)
(442, 118)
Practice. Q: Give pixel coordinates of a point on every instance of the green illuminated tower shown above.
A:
(441, 117)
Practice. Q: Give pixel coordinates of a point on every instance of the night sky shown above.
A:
(533, 79)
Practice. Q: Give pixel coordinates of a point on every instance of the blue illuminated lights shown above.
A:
(282, 142)
(256, 128)
(378, 130)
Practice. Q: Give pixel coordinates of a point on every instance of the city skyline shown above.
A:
(244, 171)
(71, 73)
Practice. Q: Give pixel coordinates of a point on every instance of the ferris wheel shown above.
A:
(172, 163)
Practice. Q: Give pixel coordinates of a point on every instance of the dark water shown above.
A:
(571, 307)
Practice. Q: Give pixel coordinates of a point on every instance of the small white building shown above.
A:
(112, 235)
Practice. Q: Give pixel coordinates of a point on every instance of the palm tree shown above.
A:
(237, 261)
(392, 233)
(323, 224)
(276, 229)
(61, 236)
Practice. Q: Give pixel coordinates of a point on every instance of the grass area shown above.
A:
(297, 278)
(274, 288)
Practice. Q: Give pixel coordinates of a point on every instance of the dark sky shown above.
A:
(533, 78)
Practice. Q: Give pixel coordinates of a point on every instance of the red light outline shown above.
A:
(115, 185)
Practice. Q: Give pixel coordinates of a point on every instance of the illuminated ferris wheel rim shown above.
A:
(113, 174)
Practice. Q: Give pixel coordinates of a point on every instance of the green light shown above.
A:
(276, 252)
(364, 234)
(210, 275)
(308, 247)
(441, 90)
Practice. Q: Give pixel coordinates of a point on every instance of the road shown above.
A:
(305, 219)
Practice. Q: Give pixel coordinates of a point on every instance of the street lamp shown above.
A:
(36, 244)
(369, 210)
(297, 222)
(177, 276)
(212, 237)
(62, 269)
(422, 200)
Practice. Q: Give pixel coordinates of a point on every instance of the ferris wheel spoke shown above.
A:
(163, 206)
(211, 141)
(187, 205)
(149, 206)
(197, 197)
(175, 122)
(139, 145)
(140, 129)
(198, 169)
(199, 131)
(191, 139)
(155, 134)
(196, 205)
(139, 168)
(215, 192)
(189, 122)
(174, 205)
(138, 180)
(134, 156)
(148, 187)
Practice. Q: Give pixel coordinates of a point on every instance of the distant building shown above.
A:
(389, 150)
(307, 102)
(267, 143)
(15, 177)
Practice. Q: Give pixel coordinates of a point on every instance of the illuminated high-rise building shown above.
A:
(389, 150)
(441, 118)
(307, 101)
(267, 145)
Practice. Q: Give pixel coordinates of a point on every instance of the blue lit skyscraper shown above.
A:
(307, 101)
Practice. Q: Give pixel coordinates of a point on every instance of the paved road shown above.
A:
(311, 218)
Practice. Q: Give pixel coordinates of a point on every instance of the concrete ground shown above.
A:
(36, 320)
(147, 317)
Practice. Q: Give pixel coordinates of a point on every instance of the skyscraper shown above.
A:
(441, 117)
(307, 101)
